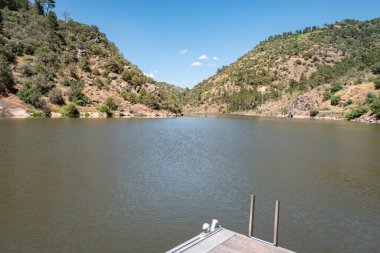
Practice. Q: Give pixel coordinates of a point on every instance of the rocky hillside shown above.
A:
(51, 67)
(328, 72)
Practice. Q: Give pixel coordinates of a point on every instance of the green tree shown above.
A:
(348, 102)
(370, 98)
(55, 96)
(314, 112)
(30, 94)
(84, 64)
(126, 75)
(53, 21)
(6, 77)
(111, 103)
(377, 83)
(1, 22)
(326, 95)
(14, 5)
(376, 68)
(71, 111)
(75, 93)
(375, 107)
(335, 100)
(356, 113)
(105, 109)
(303, 82)
(44, 6)
(136, 80)
(336, 87)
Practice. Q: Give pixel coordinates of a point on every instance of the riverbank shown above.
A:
(366, 118)
(17, 111)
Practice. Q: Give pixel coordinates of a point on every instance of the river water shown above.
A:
(146, 185)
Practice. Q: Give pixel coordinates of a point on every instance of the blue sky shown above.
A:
(185, 41)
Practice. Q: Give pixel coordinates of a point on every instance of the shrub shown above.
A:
(75, 93)
(126, 75)
(71, 111)
(293, 84)
(105, 109)
(375, 107)
(66, 81)
(55, 96)
(377, 83)
(6, 78)
(45, 71)
(136, 80)
(314, 112)
(130, 96)
(335, 100)
(336, 87)
(326, 95)
(84, 64)
(356, 113)
(27, 70)
(376, 68)
(30, 94)
(98, 83)
(114, 65)
(149, 99)
(42, 83)
(348, 102)
(111, 103)
(370, 98)
(72, 68)
(298, 62)
(47, 57)
(96, 72)
(35, 113)
(46, 110)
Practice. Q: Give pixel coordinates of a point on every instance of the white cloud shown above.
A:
(184, 51)
(215, 58)
(203, 57)
(156, 71)
(151, 75)
(196, 64)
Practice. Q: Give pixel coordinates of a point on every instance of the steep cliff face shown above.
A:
(48, 64)
(329, 69)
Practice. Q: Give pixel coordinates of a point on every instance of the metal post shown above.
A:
(251, 216)
(276, 223)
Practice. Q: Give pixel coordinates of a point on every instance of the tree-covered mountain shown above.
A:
(331, 71)
(51, 66)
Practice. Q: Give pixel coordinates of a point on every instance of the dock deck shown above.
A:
(226, 241)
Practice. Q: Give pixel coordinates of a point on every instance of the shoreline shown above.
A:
(363, 119)
(21, 113)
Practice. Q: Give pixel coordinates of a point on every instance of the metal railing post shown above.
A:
(276, 223)
(251, 216)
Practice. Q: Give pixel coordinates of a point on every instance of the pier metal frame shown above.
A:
(252, 221)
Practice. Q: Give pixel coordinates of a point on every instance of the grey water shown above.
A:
(147, 185)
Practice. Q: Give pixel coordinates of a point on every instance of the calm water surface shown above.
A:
(135, 185)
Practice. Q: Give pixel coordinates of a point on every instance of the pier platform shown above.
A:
(226, 241)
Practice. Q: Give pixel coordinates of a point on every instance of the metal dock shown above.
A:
(215, 239)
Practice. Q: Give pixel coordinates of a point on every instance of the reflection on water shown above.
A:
(135, 185)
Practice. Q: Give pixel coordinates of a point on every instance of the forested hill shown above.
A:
(61, 67)
(331, 71)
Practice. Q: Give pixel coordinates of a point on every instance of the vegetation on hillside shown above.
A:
(50, 62)
(291, 64)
